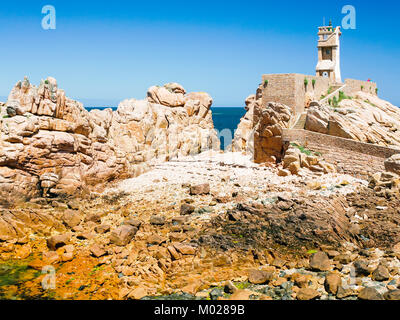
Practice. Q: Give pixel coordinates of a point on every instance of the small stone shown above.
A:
(192, 288)
(134, 223)
(23, 252)
(343, 258)
(51, 257)
(137, 293)
(93, 218)
(175, 254)
(58, 241)
(344, 292)
(187, 209)
(279, 263)
(157, 220)
(185, 249)
(283, 173)
(71, 218)
(332, 282)
(97, 251)
(370, 294)
(320, 262)
(104, 228)
(301, 280)
(332, 253)
(260, 276)
(392, 295)
(85, 235)
(122, 235)
(294, 167)
(37, 264)
(216, 293)
(381, 274)
(229, 287)
(67, 256)
(201, 189)
(155, 239)
(307, 294)
(361, 268)
(241, 295)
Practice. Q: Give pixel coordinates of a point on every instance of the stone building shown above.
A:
(298, 90)
(283, 102)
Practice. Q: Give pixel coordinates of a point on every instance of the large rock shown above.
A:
(122, 235)
(166, 96)
(364, 118)
(51, 145)
(259, 133)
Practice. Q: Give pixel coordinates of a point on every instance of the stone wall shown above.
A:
(352, 157)
(290, 89)
(353, 86)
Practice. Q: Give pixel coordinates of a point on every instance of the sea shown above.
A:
(226, 120)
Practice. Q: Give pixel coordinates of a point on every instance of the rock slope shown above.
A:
(51, 145)
(364, 117)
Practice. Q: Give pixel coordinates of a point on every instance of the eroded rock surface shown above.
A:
(364, 118)
(51, 145)
(260, 130)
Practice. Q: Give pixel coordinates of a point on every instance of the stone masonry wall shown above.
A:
(352, 157)
(353, 86)
(290, 89)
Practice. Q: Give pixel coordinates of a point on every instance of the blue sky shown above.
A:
(112, 50)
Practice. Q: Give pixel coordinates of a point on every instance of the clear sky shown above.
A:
(112, 50)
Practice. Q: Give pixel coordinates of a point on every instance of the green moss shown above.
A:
(16, 273)
(242, 285)
(335, 101)
(369, 102)
(305, 150)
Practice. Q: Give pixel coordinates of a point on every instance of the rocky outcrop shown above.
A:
(392, 164)
(297, 157)
(51, 145)
(364, 118)
(243, 140)
(260, 130)
(385, 184)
